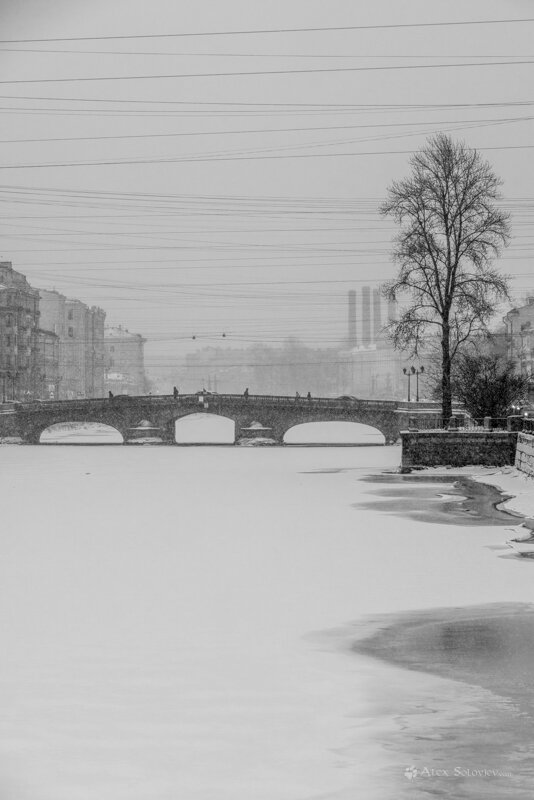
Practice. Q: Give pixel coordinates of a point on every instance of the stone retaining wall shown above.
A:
(524, 455)
(458, 448)
(8, 423)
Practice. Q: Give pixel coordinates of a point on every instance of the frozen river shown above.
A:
(176, 622)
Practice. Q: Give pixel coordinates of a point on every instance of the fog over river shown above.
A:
(179, 623)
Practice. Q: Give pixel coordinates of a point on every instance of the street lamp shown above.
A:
(513, 314)
(409, 373)
(417, 372)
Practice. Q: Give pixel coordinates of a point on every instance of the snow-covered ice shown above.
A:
(165, 615)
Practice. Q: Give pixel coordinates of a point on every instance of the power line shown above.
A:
(242, 154)
(246, 199)
(267, 130)
(242, 73)
(390, 26)
(215, 158)
(314, 106)
(178, 54)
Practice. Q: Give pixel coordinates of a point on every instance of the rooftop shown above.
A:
(118, 332)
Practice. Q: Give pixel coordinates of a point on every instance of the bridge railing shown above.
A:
(465, 422)
(318, 401)
(330, 402)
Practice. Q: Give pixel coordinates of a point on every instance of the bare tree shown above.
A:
(450, 231)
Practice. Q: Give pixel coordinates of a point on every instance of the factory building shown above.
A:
(374, 369)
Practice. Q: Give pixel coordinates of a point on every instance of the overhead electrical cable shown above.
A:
(178, 54)
(241, 73)
(200, 159)
(255, 31)
(499, 120)
(356, 106)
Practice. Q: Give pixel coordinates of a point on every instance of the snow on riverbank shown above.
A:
(511, 481)
(508, 480)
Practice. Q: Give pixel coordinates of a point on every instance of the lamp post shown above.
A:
(513, 314)
(417, 372)
(408, 373)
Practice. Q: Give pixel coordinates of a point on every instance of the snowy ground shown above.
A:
(175, 622)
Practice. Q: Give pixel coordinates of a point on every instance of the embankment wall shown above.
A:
(458, 448)
(524, 455)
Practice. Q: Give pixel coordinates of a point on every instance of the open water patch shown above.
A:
(449, 698)
(468, 734)
(443, 499)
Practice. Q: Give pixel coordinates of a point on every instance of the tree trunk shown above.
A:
(446, 393)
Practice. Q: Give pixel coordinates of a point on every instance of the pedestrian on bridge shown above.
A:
(308, 396)
(245, 393)
(110, 394)
(175, 392)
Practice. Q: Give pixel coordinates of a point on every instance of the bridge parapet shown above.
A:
(278, 412)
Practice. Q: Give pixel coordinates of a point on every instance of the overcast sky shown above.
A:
(243, 204)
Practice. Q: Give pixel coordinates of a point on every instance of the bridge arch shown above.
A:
(333, 432)
(79, 432)
(204, 428)
(276, 414)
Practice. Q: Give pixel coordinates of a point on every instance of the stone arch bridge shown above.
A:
(125, 413)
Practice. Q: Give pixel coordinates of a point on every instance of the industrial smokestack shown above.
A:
(352, 338)
(366, 316)
(377, 318)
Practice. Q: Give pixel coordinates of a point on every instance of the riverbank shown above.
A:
(518, 487)
(515, 487)
(516, 484)
(456, 682)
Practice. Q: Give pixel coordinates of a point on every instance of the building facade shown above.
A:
(19, 323)
(124, 362)
(519, 337)
(47, 366)
(53, 347)
(52, 321)
(80, 332)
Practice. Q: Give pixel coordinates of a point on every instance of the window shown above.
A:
(71, 314)
(8, 341)
(71, 332)
(112, 349)
(9, 320)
